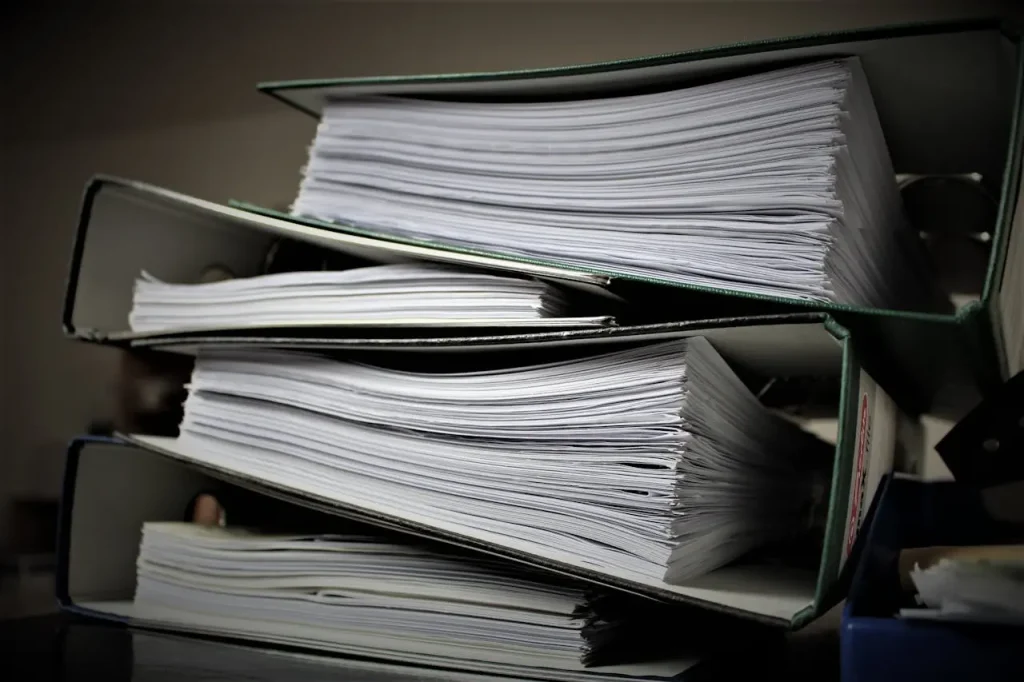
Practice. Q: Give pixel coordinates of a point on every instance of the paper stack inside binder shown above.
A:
(654, 463)
(777, 183)
(370, 596)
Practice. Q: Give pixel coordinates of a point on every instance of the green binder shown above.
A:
(949, 98)
(126, 227)
(809, 352)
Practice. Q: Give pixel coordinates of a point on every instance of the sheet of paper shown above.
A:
(971, 590)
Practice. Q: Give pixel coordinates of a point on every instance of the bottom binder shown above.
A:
(113, 488)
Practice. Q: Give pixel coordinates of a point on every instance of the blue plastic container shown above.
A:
(875, 645)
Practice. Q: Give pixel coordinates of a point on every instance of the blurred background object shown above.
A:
(954, 215)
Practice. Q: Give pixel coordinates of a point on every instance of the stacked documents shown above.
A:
(654, 464)
(406, 294)
(373, 597)
(778, 183)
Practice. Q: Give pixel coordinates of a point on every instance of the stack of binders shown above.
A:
(542, 361)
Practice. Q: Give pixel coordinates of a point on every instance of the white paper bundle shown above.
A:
(970, 590)
(778, 183)
(654, 464)
(405, 295)
(372, 597)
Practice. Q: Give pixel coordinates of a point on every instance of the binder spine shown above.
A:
(94, 187)
(65, 516)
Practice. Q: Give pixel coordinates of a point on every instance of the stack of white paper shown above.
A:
(654, 463)
(778, 183)
(404, 294)
(367, 596)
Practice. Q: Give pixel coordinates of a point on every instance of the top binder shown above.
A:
(939, 131)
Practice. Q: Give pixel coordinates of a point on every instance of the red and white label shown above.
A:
(859, 472)
(875, 448)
